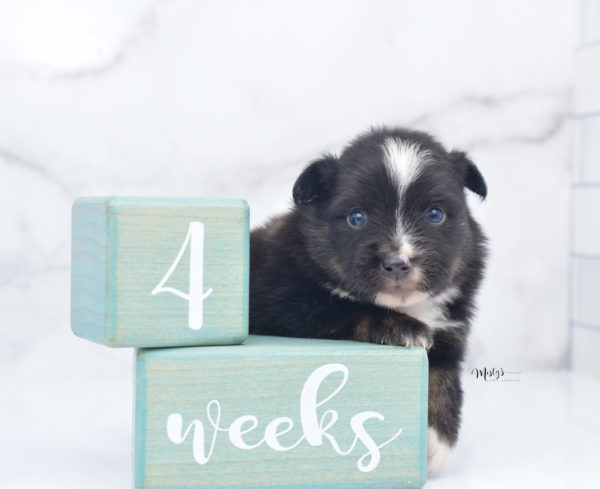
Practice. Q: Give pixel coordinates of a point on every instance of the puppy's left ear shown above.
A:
(317, 180)
(472, 177)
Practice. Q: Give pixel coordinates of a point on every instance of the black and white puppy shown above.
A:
(380, 246)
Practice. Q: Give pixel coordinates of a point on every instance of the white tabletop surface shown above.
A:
(542, 431)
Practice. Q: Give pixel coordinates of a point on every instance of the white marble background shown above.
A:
(224, 98)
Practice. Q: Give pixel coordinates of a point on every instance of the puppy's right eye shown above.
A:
(357, 218)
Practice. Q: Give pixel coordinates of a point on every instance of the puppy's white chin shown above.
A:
(400, 300)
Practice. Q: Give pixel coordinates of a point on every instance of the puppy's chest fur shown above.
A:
(433, 311)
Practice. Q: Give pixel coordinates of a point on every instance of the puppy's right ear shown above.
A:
(316, 182)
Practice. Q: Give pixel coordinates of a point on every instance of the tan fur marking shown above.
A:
(387, 337)
(361, 331)
(457, 267)
(277, 226)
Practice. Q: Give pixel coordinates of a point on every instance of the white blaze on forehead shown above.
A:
(405, 160)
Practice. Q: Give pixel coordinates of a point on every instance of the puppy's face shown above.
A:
(388, 220)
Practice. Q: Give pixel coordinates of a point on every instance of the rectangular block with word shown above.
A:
(281, 412)
(156, 272)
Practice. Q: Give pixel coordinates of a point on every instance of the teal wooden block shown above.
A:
(281, 413)
(160, 271)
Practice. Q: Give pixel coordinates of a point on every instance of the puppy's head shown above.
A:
(387, 220)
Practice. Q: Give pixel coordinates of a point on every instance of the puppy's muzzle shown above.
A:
(396, 267)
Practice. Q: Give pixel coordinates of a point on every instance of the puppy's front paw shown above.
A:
(410, 338)
(437, 451)
(400, 331)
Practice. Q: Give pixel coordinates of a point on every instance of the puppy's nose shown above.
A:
(396, 266)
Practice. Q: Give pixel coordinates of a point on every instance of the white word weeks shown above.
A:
(314, 426)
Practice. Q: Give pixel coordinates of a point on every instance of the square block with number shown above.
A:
(281, 413)
(155, 272)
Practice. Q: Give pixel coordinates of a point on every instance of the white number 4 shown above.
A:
(195, 297)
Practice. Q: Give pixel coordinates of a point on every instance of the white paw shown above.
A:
(409, 339)
(419, 340)
(437, 452)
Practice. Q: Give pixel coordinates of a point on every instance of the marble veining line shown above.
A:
(487, 101)
(143, 28)
(13, 159)
(551, 129)
(553, 126)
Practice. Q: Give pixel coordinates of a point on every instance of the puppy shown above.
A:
(380, 247)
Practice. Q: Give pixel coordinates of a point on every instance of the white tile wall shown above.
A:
(587, 79)
(585, 260)
(590, 24)
(586, 219)
(586, 303)
(587, 143)
(586, 345)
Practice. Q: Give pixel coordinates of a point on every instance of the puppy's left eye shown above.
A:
(357, 218)
(435, 214)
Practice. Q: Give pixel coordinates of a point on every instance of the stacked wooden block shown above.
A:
(219, 408)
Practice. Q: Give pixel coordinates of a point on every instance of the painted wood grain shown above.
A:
(160, 272)
(281, 412)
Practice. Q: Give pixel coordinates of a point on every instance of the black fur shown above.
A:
(313, 275)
